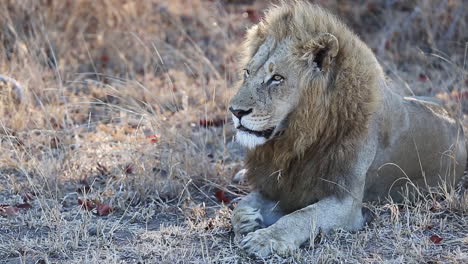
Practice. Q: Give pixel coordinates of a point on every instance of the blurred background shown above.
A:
(123, 104)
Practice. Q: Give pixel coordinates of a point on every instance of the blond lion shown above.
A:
(325, 132)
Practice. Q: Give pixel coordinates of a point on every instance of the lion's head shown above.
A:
(271, 88)
(296, 71)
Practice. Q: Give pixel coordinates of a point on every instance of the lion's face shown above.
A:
(268, 93)
(273, 82)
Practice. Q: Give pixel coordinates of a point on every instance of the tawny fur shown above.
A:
(329, 133)
(331, 117)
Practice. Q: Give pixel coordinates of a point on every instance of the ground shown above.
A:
(116, 147)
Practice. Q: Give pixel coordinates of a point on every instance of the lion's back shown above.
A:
(421, 143)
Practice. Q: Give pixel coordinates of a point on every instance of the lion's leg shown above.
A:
(292, 230)
(254, 212)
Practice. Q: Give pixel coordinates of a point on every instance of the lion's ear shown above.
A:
(321, 50)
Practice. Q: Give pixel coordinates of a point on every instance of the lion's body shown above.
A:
(328, 133)
(416, 141)
(419, 142)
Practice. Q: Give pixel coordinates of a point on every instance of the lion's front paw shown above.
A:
(246, 220)
(264, 242)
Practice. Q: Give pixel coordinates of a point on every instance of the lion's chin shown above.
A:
(249, 140)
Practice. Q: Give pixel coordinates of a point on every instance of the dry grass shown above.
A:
(103, 79)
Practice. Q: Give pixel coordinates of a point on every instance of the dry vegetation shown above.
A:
(123, 103)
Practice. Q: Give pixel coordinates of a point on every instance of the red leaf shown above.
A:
(129, 169)
(428, 227)
(252, 15)
(387, 44)
(8, 211)
(87, 204)
(104, 58)
(423, 77)
(24, 206)
(436, 239)
(104, 209)
(221, 196)
(153, 138)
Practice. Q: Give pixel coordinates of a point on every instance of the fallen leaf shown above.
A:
(423, 77)
(387, 44)
(104, 58)
(252, 15)
(153, 138)
(436, 239)
(104, 209)
(129, 168)
(87, 204)
(221, 196)
(8, 211)
(24, 206)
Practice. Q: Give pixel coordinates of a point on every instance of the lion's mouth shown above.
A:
(265, 133)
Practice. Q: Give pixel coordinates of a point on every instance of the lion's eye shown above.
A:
(246, 73)
(277, 78)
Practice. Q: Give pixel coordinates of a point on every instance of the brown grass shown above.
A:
(100, 78)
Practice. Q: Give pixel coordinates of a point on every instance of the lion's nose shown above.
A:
(239, 113)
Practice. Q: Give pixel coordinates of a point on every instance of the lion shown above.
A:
(325, 132)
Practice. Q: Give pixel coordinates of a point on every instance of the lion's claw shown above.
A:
(262, 243)
(247, 220)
